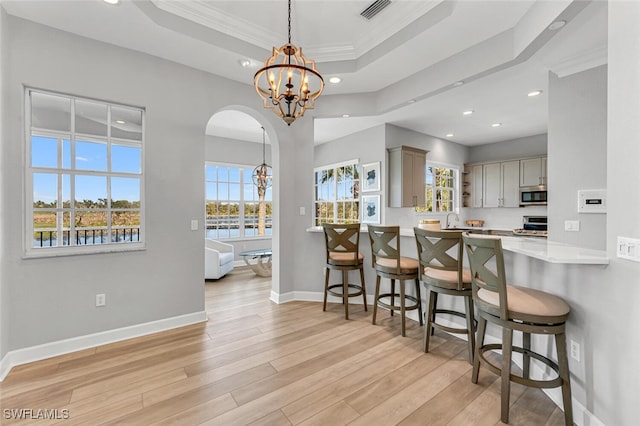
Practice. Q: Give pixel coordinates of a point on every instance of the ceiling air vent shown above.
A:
(375, 8)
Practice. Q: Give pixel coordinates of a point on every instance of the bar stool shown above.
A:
(342, 242)
(440, 255)
(388, 263)
(515, 308)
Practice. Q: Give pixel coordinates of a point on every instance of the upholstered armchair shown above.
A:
(218, 259)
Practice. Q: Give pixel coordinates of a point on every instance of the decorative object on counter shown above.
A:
(441, 258)
(291, 83)
(474, 222)
(388, 263)
(371, 177)
(515, 308)
(342, 242)
(433, 224)
(371, 209)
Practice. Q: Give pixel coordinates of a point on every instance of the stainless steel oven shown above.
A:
(533, 196)
(532, 226)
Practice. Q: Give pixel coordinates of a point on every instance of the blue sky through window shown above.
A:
(89, 156)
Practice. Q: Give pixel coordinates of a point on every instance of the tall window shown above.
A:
(233, 203)
(84, 174)
(440, 189)
(337, 193)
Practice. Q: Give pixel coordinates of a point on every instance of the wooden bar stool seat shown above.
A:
(441, 261)
(512, 308)
(388, 263)
(342, 243)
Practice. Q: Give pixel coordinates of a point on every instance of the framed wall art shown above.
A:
(371, 177)
(371, 209)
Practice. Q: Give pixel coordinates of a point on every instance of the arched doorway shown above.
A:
(233, 148)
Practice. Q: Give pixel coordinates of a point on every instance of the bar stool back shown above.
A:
(342, 242)
(388, 263)
(441, 257)
(515, 308)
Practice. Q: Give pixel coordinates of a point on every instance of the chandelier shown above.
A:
(288, 83)
(262, 174)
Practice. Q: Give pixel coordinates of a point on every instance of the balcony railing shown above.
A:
(85, 236)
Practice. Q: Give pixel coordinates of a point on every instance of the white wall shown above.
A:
(577, 153)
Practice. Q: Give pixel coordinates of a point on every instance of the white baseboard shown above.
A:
(61, 347)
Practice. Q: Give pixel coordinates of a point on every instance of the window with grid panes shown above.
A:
(440, 189)
(337, 193)
(84, 175)
(234, 208)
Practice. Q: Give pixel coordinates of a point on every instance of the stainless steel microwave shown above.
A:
(533, 196)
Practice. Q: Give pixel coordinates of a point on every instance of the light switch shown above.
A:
(572, 225)
(194, 224)
(302, 211)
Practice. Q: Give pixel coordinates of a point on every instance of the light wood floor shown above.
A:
(259, 363)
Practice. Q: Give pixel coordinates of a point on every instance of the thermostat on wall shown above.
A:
(592, 201)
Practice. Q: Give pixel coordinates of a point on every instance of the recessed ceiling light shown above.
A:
(345, 116)
(534, 93)
(458, 83)
(120, 121)
(112, 1)
(449, 135)
(245, 63)
(411, 101)
(467, 112)
(496, 125)
(557, 25)
(335, 80)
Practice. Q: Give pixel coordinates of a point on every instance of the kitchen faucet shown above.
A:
(457, 219)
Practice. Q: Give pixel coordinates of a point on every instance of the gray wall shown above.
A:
(577, 153)
(165, 280)
(4, 288)
(439, 150)
(529, 146)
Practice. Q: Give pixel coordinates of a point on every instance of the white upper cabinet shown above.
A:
(500, 184)
(533, 171)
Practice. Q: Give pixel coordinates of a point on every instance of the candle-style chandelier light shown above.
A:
(262, 174)
(288, 83)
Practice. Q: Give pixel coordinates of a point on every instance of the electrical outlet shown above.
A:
(628, 248)
(575, 350)
(101, 299)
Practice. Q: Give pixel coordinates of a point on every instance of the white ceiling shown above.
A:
(412, 51)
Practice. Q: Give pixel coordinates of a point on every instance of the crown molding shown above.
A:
(580, 62)
(207, 14)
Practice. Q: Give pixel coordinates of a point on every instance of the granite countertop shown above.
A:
(535, 247)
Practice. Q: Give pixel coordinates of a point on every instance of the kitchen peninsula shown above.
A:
(534, 247)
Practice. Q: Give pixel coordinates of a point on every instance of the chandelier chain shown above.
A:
(289, 21)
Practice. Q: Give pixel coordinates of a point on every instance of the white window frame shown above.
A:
(241, 201)
(455, 188)
(335, 200)
(31, 251)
